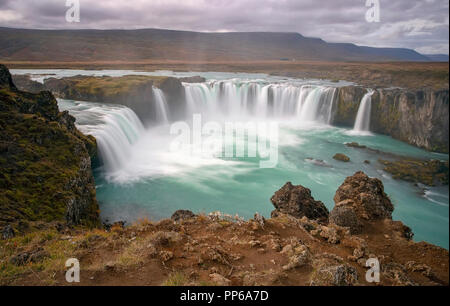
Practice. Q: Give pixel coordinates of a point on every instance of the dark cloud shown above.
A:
(418, 24)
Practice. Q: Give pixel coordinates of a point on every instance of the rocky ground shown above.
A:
(302, 244)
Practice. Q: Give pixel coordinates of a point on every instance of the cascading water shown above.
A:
(116, 129)
(234, 98)
(161, 106)
(362, 122)
(142, 177)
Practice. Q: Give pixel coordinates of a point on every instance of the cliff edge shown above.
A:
(46, 163)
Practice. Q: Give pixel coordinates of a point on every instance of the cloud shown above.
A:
(9, 16)
(417, 24)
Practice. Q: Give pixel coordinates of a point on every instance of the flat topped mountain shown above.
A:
(155, 44)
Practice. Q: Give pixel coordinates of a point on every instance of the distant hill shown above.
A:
(438, 57)
(154, 44)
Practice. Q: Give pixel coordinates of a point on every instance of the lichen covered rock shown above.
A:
(360, 199)
(298, 202)
(341, 157)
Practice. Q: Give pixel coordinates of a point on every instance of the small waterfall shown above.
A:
(362, 122)
(116, 129)
(161, 106)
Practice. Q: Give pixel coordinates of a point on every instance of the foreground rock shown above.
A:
(298, 202)
(358, 200)
(219, 249)
(181, 215)
(46, 162)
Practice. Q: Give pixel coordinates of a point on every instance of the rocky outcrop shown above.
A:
(420, 118)
(181, 215)
(298, 202)
(175, 96)
(428, 172)
(347, 105)
(341, 157)
(24, 83)
(358, 200)
(135, 92)
(46, 163)
(193, 79)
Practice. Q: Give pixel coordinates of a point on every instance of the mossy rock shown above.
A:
(46, 167)
(341, 157)
(431, 172)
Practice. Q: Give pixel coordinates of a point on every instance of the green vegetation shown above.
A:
(46, 174)
(109, 88)
(176, 279)
(426, 172)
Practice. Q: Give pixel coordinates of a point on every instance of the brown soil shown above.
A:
(243, 253)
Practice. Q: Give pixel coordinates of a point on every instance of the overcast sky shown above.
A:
(422, 25)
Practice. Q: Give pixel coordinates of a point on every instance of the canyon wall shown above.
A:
(420, 118)
(135, 92)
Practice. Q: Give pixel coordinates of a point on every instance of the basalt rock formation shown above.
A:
(135, 92)
(24, 83)
(298, 202)
(46, 162)
(358, 200)
(420, 117)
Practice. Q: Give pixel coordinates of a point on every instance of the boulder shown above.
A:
(298, 202)
(346, 216)
(180, 215)
(341, 157)
(360, 199)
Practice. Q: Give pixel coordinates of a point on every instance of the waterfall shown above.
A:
(362, 122)
(116, 129)
(238, 98)
(161, 105)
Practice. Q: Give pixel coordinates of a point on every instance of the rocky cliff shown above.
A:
(45, 162)
(135, 92)
(420, 118)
